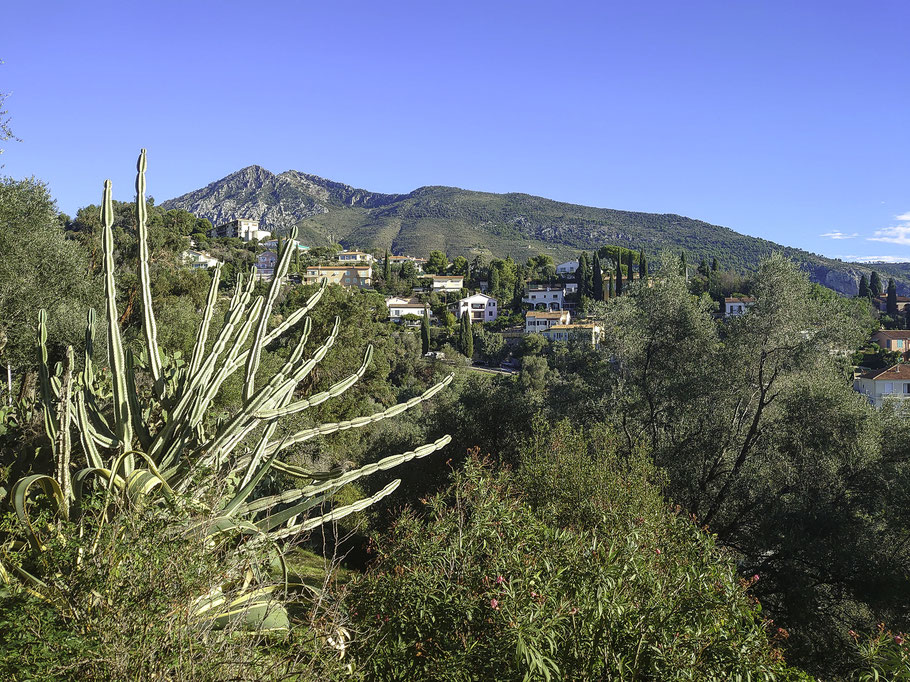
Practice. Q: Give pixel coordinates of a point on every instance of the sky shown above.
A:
(783, 120)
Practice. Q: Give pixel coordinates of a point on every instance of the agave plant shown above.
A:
(156, 447)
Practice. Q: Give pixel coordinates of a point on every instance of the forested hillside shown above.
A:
(468, 223)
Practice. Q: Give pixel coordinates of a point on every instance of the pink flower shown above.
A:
(533, 593)
(494, 604)
(898, 640)
(500, 580)
(755, 578)
(658, 551)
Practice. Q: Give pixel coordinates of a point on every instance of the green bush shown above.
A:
(132, 611)
(489, 587)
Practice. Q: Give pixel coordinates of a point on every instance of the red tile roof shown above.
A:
(896, 373)
(893, 333)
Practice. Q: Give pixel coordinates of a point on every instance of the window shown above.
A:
(907, 388)
(889, 387)
(899, 343)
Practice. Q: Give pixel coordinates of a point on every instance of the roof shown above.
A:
(572, 326)
(743, 299)
(353, 253)
(338, 267)
(556, 315)
(893, 333)
(440, 277)
(489, 298)
(884, 298)
(897, 372)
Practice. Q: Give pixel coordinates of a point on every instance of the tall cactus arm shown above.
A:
(44, 376)
(202, 336)
(252, 363)
(335, 514)
(343, 478)
(63, 446)
(88, 367)
(123, 420)
(332, 392)
(360, 422)
(289, 322)
(145, 285)
(139, 425)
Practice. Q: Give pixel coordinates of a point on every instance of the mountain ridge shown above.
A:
(469, 223)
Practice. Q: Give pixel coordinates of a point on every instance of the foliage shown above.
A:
(149, 444)
(486, 587)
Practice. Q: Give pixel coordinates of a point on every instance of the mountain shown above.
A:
(468, 223)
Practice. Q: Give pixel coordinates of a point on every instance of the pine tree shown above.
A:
(597, 291)
(875, 283)
(642, 266)
(630, 261)
(619, 275)
(386, 269)
(891, 308)
(864, 290)
(425, 330)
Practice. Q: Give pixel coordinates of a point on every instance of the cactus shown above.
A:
(136, 461)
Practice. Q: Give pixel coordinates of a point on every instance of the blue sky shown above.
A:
(785, 120)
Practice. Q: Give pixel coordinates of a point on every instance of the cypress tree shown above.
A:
(296, 267)
(875, 283)
(892, 299)
(715, 266)
(864, 289)
(386, 269)
(468, 348)
(619, 275)
(630, 260)
(612, 287)
(494, 283)
(642, 266)
(703, 268)
(425, 330)
(582, 277)
(598, 288)
(683, 267)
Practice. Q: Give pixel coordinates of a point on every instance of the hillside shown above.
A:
(468, 223)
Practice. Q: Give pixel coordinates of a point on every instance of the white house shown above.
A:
(242, 228)
(591, 333)
(198, 260)
(481, 307)
(567, 269)
(350, 276)
(354, 257)
(537, 321)
(550, 297)
(447, 282)
(734, 307)
(885, 386)
(399, 307)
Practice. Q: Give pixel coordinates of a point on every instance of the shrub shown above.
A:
(485, 587)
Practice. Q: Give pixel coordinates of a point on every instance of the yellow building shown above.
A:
(352, 276)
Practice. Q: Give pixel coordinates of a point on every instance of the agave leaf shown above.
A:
(19, 495)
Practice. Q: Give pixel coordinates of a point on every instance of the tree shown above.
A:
(630, 260)
(467, 336)
(386, 269)
(612, 286)
(683, 266)
(642, 266)
(703, 268)
(875, 284)
(892, 299)
(715, 266)
(460, 266)
(425, 331)
(583, 276)
(597, 292)
(6, 133)
(436, 264)
(618, 277)
(865, 291)
(40, 268)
